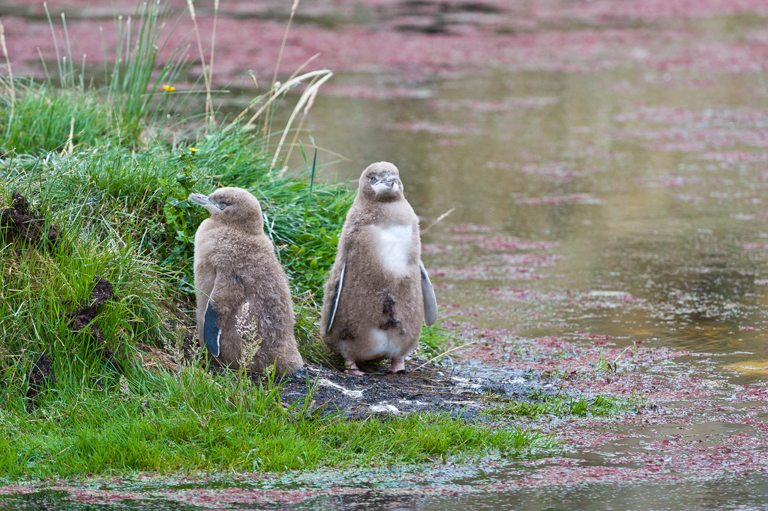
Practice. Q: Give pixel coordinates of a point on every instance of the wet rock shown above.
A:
(20, 222)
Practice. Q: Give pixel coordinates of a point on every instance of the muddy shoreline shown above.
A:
(457, 390)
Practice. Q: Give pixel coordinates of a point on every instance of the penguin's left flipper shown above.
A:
(336, 295)
(211, 330)
(428, 294)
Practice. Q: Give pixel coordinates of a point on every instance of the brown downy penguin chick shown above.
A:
(378, 292)
(244, 307)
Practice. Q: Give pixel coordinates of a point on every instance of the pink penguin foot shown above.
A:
(352, 368)
(398, 365)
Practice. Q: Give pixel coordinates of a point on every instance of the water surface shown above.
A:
(646, 190)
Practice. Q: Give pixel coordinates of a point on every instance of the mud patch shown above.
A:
(40, 375)
(389, 310)
(20, 222)
(431, 388)
(82, 319)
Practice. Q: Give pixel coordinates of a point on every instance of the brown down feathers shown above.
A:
(236, 262)
(371, 297)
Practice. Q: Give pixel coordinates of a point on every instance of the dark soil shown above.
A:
(82, 319)
(40, 375)
(19, 221)
(421, 389)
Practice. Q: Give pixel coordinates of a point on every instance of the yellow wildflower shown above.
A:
(194, 149)
(169, 88)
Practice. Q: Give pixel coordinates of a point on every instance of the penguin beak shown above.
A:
(205, 202)
(387, 185)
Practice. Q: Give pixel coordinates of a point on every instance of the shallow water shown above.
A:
(728, 493)
(623, 207)
(640, 194)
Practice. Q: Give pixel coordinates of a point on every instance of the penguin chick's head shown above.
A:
(234, 206)
(381, 182)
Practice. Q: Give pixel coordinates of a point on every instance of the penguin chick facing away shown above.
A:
(244, 307)
(378, 292)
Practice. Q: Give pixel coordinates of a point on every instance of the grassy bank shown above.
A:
(108, 171)
(192, 421)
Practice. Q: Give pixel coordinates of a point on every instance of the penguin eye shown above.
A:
(372, 179)
(222, 205)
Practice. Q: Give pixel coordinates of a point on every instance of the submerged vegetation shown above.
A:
(560, 405)
(109, 171)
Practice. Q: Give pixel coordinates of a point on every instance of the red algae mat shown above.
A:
(419, 40)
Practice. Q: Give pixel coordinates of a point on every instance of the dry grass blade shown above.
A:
(445, 353)
(279, 61)
(11, 86)
(213, 37)
(206, 72)
(440, 218)
(303, 117)
(307, 98)
(328, 151)
(70, 146)
(282, 89)
(301, 67)
(285, 38)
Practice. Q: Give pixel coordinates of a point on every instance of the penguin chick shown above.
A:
(244, 307)
(378, 292)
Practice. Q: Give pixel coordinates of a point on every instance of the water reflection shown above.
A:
(652, 188)
(742, 493)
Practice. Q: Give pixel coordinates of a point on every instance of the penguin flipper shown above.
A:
(336, 295)
(428, 294)
(211, 331)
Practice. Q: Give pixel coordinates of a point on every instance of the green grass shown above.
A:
(124, 213)
(112, 167)
(194, 421)
(563, 406)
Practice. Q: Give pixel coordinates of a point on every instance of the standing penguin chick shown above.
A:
(378, 292)
(244, 307)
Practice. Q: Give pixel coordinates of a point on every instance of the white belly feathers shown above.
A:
(382, 345)
(392, 244)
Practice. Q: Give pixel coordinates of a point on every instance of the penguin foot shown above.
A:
(397, 366)
(352, 368)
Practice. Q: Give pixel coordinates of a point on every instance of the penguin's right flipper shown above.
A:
(428, 295)
(211, 330)
(336, 295)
